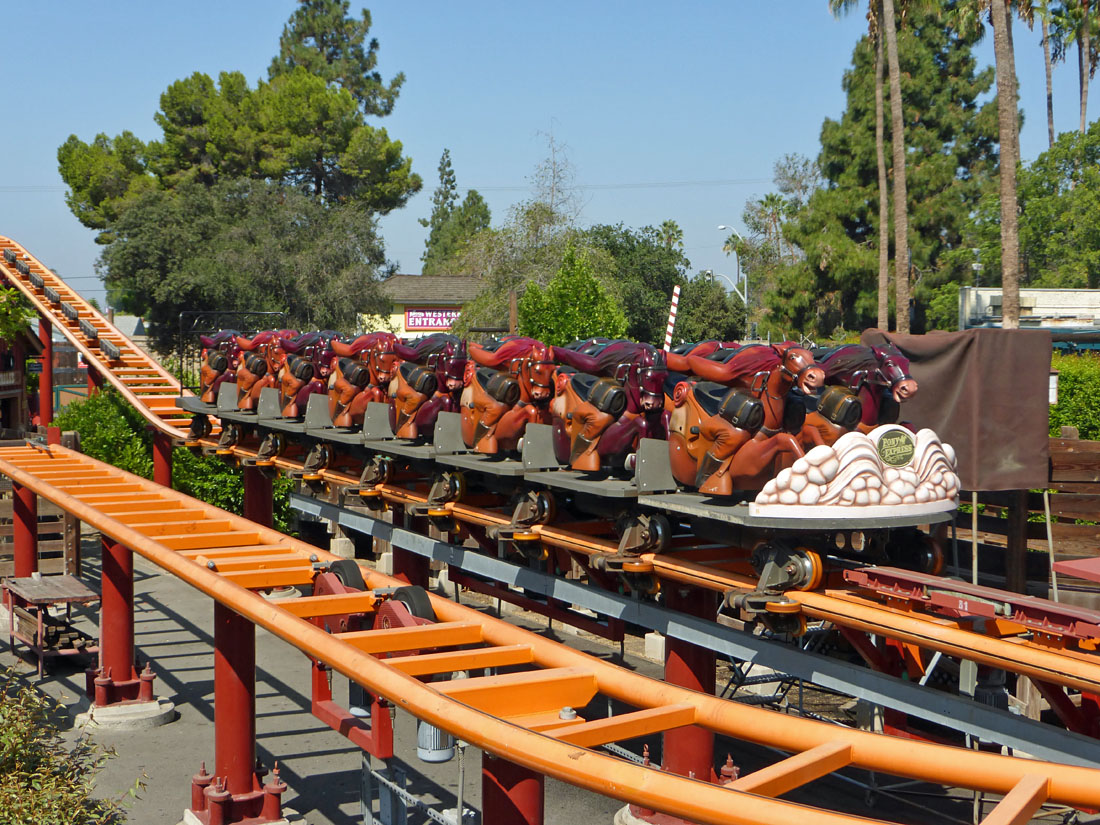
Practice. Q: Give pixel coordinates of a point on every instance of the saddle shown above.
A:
(708, 425)
(584, 408)
(837, 411)
(488, 395)
(219, 363)
(414, 385)
(262, 356)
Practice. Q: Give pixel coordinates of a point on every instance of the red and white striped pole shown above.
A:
(672, 317)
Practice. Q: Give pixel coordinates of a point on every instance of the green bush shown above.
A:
(41, 779)
(110, 430)
(215, 482)
(1078, 395)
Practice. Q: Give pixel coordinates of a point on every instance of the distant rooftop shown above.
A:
(434, 289)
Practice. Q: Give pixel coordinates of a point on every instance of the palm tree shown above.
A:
(672, 235)
(1008, 125)
(773, 209)
(897, 140)
(874, 18)
(1072, 22)
(966, 17)
(1044, 13)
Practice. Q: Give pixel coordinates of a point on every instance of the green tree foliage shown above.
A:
(575, 304)
(16, 313)
(444, 199)
(951, 140)
(469, 218)
(323, 39)
(672, 235)
(296, 130)
(103, 177)
(213, 214)
(1059, 197)
(527, 249)
(1078, 404)
(644, 269)
(43, 780)
(111, 431)
(707, 311)
(451, 226)
(244, 244)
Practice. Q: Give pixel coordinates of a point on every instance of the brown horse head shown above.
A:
(535, 373)
(798, 363)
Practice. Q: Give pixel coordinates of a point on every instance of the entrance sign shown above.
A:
(430, 318)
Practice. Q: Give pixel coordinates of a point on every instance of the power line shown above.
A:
(661, 184)
(667, 184)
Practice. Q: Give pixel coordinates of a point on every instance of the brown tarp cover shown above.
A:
(985, 392)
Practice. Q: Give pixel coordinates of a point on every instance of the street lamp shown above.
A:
(743, 294)
(740, 293)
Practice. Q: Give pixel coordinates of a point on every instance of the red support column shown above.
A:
(25, 529)
(45, 379)
(116, 627)
(234, 700)
(410, 566)
(257, 497)
(162, 458)
(95, 380)
(510, 793)
(690, 751)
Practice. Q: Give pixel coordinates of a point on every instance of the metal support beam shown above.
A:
(95, 380)
(959, 713)
(510, 794)
(25, 530)
(234, 700)
(45, 378)
(689, 751)
(257, 497)
(162, 458)
(116, 622)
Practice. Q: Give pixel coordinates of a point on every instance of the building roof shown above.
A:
(431, 289)
(130, 325)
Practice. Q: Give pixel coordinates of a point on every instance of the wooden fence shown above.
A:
(1012, 528)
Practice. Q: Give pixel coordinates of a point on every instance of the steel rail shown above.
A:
(145, 371)
(818, 748)
(1066, 668)
(842, 608)
(141, 380)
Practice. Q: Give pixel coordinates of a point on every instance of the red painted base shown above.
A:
(103, 689)
(212, 804)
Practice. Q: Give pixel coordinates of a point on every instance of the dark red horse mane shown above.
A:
(518, 347)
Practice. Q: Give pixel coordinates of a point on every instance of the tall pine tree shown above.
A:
(323, 39)
(951, 158)
(451, 226)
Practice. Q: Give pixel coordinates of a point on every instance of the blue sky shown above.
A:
(664, 115)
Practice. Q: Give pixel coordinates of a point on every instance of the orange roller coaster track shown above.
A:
(246, 557)
(153, 392)
(514, 715)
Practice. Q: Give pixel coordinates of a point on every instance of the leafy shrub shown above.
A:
(1078, 395)
(110, 430)
(41, 779)
(215, 482)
